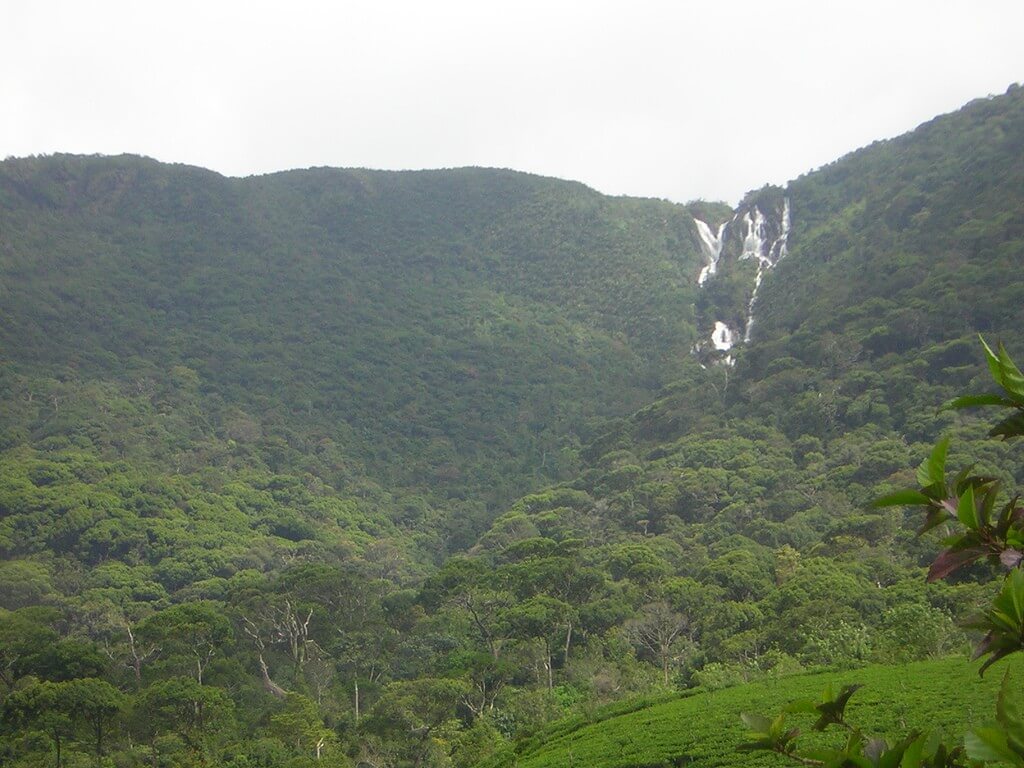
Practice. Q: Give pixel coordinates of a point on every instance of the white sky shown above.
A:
(658, 99)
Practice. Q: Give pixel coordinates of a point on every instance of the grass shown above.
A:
(703, 730)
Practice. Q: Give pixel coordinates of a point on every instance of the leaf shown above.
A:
(905, 498)
(833, 709)
(932, 470)
(1003, 623)
(996, 656)
(967, 510)
(935, 517)
(1007, 515)
(952, 560)
(988, 504)
(1004, 371)
(913, 756)
(990, 744)
(993, 362)
(1007, 712)
(801, 706)
(1013, 379)
(971, 401)
(1010, 427)
(1011, 597)
(893, 757)
(758, 724)
(1010, 558)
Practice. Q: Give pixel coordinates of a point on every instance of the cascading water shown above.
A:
(779, 248)
(712, 246)
(722, 337)
(753, 248)
(757, 244)
(753, 242)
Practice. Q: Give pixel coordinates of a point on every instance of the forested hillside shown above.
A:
(396, 468)
(450, 336)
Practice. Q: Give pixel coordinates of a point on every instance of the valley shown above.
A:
(469, 467)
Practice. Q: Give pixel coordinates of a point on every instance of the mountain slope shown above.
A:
(245, 423)
(736, 503)
(445, 333)
(928, 225)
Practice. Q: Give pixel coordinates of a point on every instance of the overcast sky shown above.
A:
(680, 100)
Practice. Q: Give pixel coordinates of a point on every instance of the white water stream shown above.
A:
(712, 246)
(722, 337)
(755, 246)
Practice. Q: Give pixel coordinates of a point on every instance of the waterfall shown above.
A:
(753, 248)
(753, 242)
(765, 240)
(722, 338)
(712, 247)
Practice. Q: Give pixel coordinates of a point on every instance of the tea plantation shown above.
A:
(704, 729)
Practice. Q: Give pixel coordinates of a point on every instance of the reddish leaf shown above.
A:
(952, 559)
(982, 647)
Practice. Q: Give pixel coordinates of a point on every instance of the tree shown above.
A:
(412, 711)
(98, 704)
(660, 631)
(43, 706)
(195, 631)
(539, 618)
(181, 706)
(21, 639)
(467, 585)
(63, 708)
(487, 677)
(301, 725)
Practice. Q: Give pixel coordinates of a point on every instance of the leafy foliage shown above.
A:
(969, 499)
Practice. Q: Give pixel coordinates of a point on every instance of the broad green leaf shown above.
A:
(933, 469)
(1013, 379)
(801, 705)
(904, 498)
(893, 757)
(971, 401)
(988, 504)
(758, 724)
(914, 753)
(1010, 427)
(833, 709)
(1007, 710)
(1006, 516)
(935, 517)
(993, 362)
(1005, 372)
(990, 744)
(1014, 587)
(967, 511)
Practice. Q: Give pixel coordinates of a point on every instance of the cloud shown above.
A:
(664, 99)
